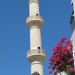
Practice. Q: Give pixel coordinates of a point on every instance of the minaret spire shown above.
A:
(35, 55)
(72, 22)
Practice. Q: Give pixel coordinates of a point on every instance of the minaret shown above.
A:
(36, 56)
(72, 22)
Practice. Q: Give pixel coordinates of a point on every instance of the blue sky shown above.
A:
(14, 34)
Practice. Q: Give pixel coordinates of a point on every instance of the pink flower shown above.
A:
(64, 38)
(55, 73)
(60, 65)
(59, 46)
(51, 63)
(53, 68)
(71, 59)
(62, 53)
(68, 41)
(69, 45)
(73, 69)
(71, 52)
(51, 58)
(49, 67)
(50, 72)
(53, 49)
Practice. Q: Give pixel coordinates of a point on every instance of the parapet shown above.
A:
(36, 55)
(34, 20)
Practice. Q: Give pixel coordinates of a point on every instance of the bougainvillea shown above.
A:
(62, 58)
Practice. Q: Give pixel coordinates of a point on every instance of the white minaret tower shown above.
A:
(35, 55)
(72, 21)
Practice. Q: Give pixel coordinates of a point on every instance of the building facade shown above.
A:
(72, 22)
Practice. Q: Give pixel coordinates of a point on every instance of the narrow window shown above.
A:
(37, 14)
(39, 48)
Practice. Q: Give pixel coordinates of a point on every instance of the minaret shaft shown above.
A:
(35, 38)
(37, 66)
(34, 8)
